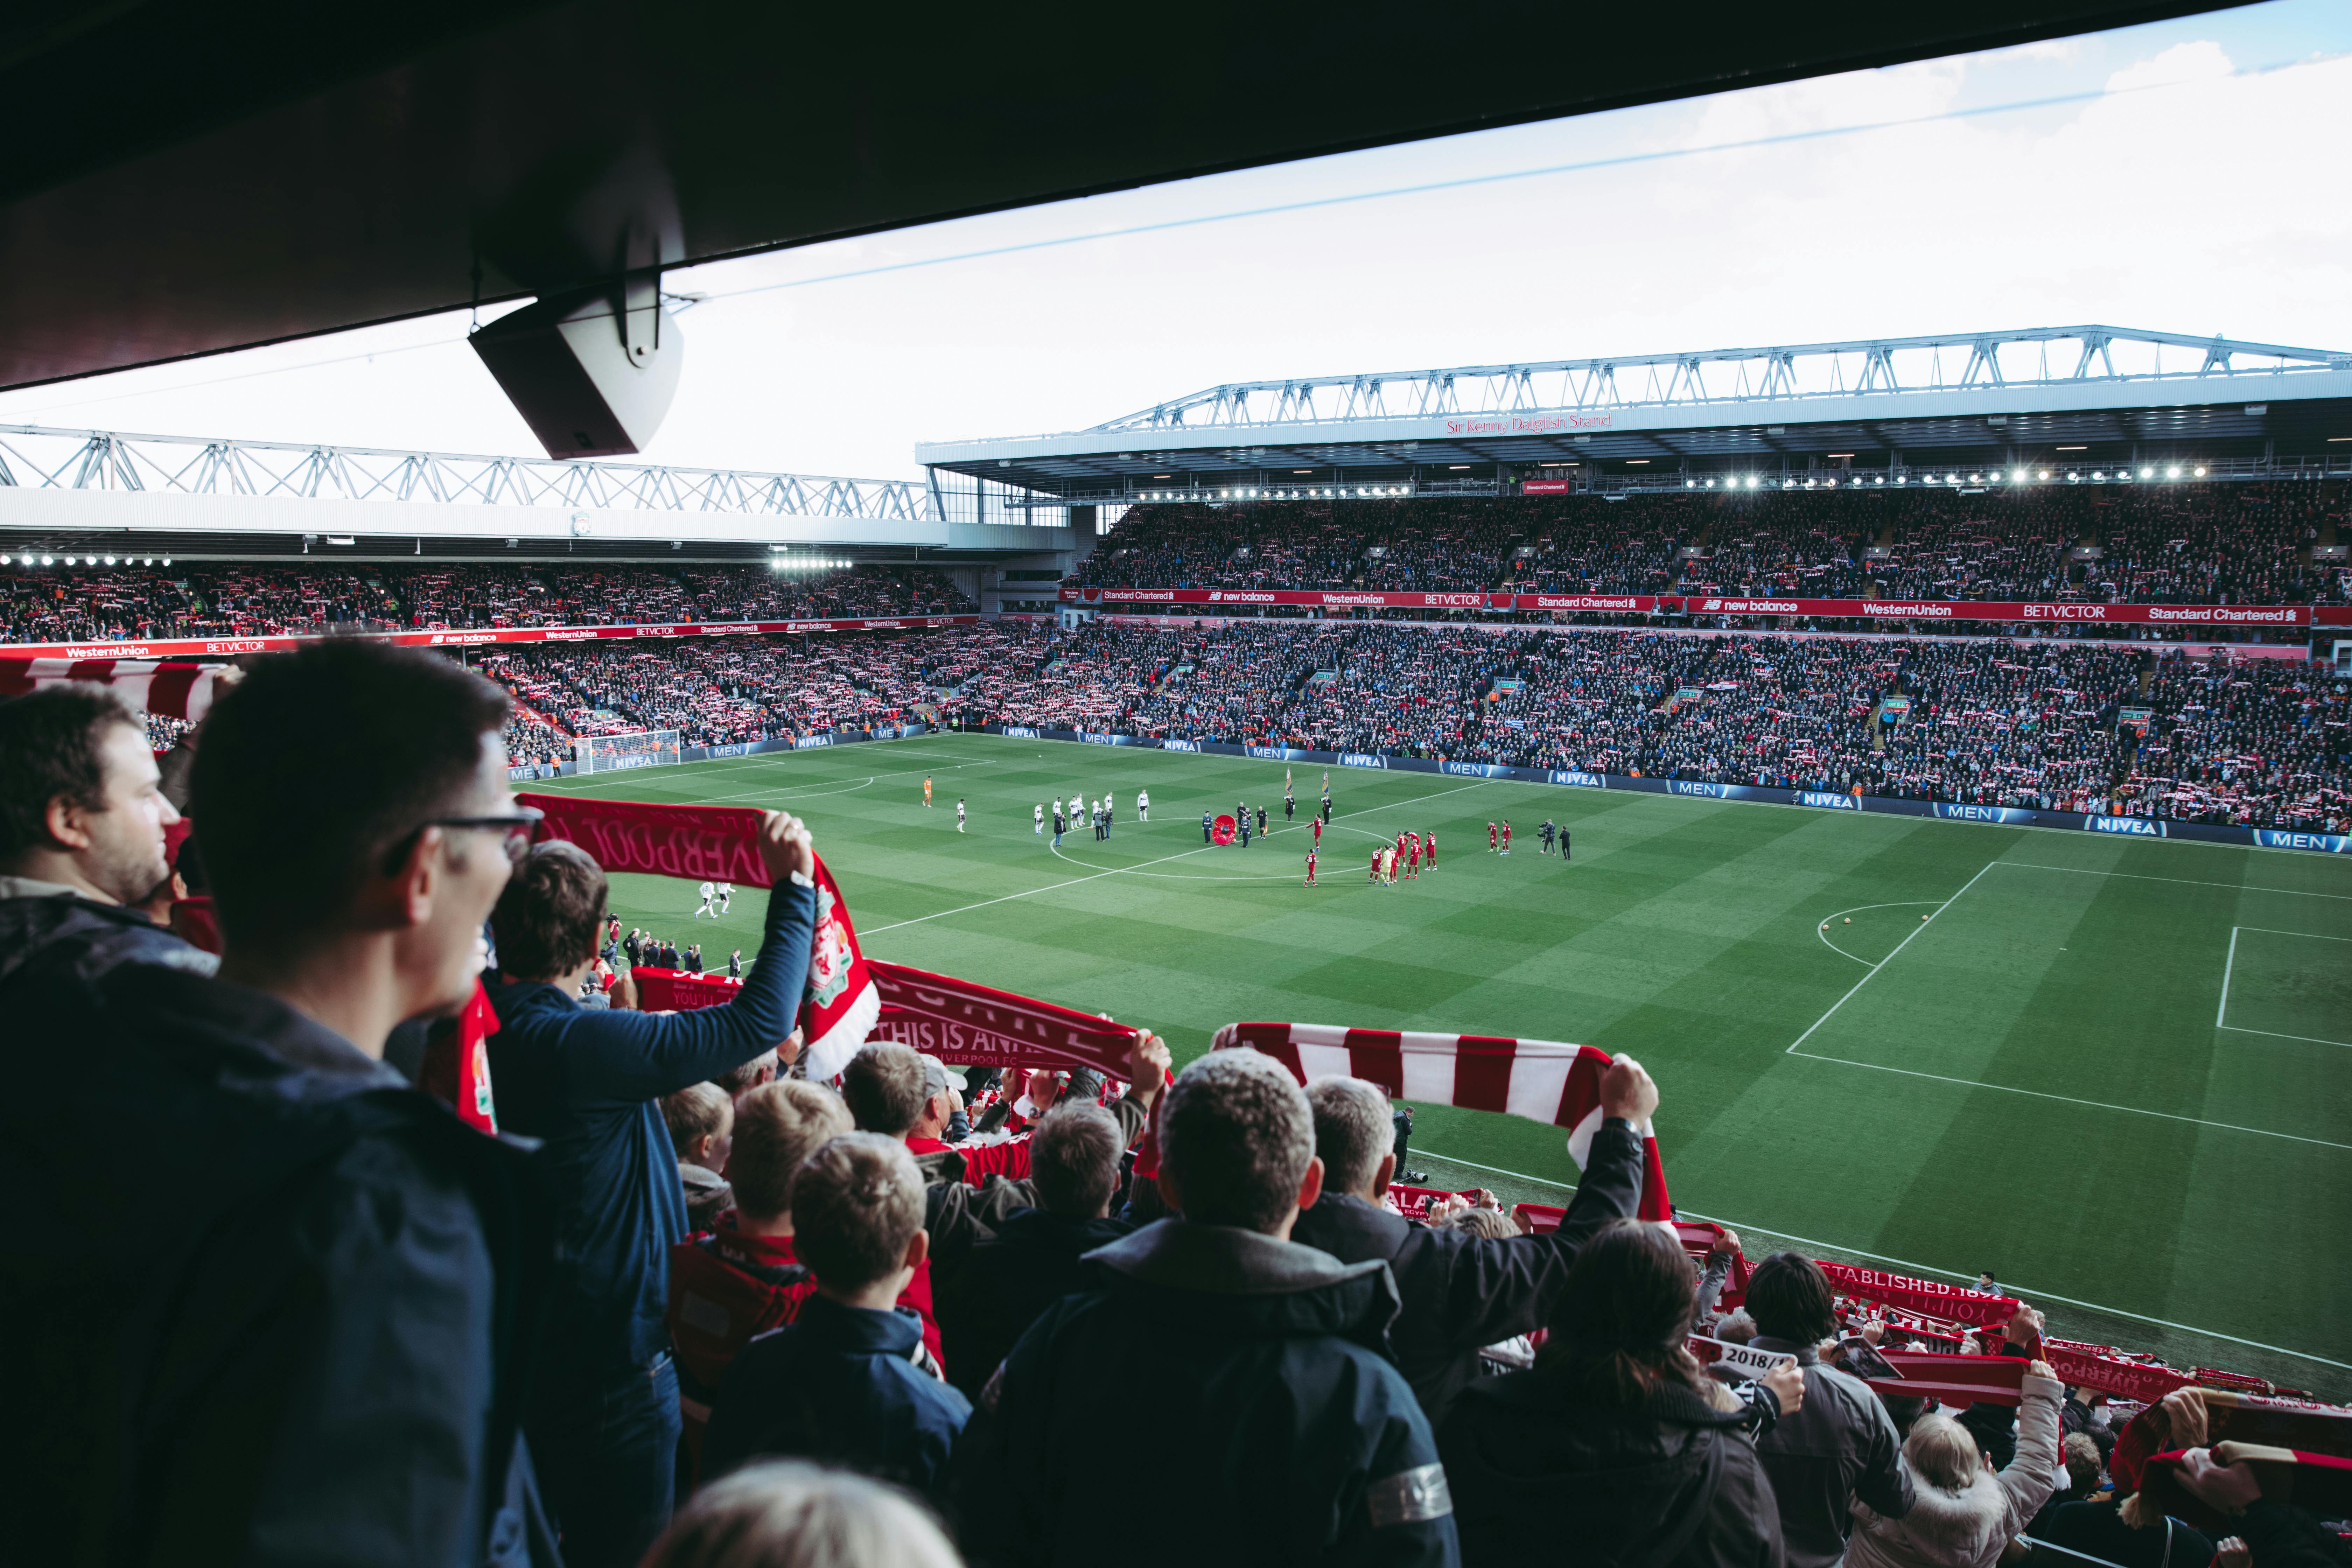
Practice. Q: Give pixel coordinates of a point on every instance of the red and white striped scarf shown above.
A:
(167, 689)
(1542, 1080)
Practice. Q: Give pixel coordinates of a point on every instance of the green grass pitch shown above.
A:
(2116, 1072)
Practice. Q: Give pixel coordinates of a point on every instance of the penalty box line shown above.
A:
(2024, 1292)
(2007, 1088)
(2229, 968)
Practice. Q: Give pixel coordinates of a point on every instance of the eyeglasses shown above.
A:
(516, 827)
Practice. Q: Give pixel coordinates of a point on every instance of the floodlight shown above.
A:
(2148, 473)
(2098, 473)
(2200, 472)
(1693, 484)
(47, 562)
(1951, 478)
(2045, 473)
(2071, 477)
(2173, 472)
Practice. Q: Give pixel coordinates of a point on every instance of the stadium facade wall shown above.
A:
(1821, 800)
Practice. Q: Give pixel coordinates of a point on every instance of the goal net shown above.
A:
(609, 754)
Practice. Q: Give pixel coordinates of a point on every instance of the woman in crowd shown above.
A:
(1616, 1442)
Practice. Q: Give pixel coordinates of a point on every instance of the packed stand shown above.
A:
(80, 605)
(2160, 544)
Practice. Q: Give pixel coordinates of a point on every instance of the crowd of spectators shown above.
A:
(2047, 723)
(2050, 724)
(2162, 544)
(197, 600)
(722, 1303)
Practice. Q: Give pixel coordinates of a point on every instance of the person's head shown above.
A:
(1624, 1314)
(79, 802)
(342, 789)
(1237, 1143)
(1074, 1159)
(1984, 1282)
(793, 1515)
(1492, 1224)
(1791, 1299)
(857, 1215)
(739, 1081)
(1736, 1326)
(1943, 1453)
(939, 1099)
(547, 918)
(701, 1121)
(777, 1126)
(2080, 1455)
(1354, 1135)
(883, 1086)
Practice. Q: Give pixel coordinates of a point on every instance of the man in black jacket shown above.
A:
(1034, 1260)
(81, 837)
(1278, 1429)
(1840, 1444)
(1462, 1291)
(284, 1319)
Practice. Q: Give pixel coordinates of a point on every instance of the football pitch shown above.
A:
(2116, 1072)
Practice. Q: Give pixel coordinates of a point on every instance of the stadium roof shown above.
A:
(2111, 393)
(206, 174)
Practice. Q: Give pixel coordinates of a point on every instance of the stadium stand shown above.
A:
(2126, 729)
(57, 605)
(2172, 544)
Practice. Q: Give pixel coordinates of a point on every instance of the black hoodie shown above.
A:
(1539, 1474)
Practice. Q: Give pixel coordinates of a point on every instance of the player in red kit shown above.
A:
(1490, 838)
(1310, 882)
(1431, 845)
(1412, 855)
(1319, 833)
(1376, 862)
(1507, 835)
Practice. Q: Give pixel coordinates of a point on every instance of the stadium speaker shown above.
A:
(593, 373)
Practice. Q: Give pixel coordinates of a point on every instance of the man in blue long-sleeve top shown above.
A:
(604, 1418)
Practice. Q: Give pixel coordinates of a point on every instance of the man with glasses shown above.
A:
(604, 1420)
(319, 1353)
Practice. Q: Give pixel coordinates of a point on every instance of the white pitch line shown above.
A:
(2230, 963)
(1883, 962)
(2071, 1100)
(2023, 1292)
(1823, 931)
(2184, 881)
(2274, 1034)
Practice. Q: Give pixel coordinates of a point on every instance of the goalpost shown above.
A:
(609, 754)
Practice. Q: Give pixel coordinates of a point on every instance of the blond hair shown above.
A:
(793, 1515)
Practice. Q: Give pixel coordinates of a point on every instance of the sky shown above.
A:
(2183, 176)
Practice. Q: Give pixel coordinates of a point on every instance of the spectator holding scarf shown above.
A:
(1963, 1513)
(1840, 1443)
(286, 1318)
(1280, 1432)
(1616, 1442)
(1461, 1291)
(604, 1423)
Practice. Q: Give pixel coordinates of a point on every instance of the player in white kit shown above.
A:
(710, 891)
(1143, 805)
(1037, 814)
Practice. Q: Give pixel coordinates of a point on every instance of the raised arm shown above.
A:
(639, 1055)
(1500, 1288)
